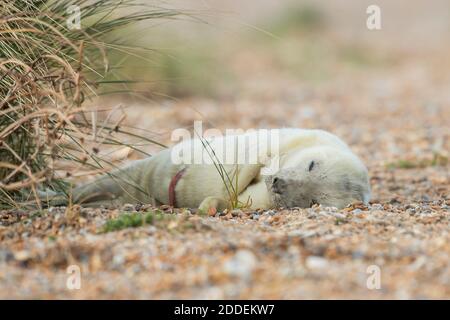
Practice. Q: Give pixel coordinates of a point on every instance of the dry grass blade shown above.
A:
(47, 70)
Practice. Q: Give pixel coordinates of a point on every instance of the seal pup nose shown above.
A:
(278, 185)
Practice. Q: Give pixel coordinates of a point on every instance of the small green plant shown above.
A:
(403, 164)
(305, 18)
(132, 220)
(340, 221)
(437, 160)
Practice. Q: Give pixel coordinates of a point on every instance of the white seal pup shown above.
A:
(302, 168)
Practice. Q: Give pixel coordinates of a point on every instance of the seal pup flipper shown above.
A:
(125, 185)
(212, 203)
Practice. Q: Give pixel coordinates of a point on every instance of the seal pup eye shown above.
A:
(311, 165)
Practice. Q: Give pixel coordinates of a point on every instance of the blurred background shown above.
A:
(306, 64)
(217, 47)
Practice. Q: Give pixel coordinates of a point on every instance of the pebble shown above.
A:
(22, 255)
(375, 206)
(314, 262)
(236, 212)
(5, 255)
(241, 264)
(128, 207)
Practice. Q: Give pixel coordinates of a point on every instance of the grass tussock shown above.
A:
(48, 70)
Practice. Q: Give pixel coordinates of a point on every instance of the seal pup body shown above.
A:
(312, 166)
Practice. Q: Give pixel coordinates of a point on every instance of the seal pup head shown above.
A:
(328, 176)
